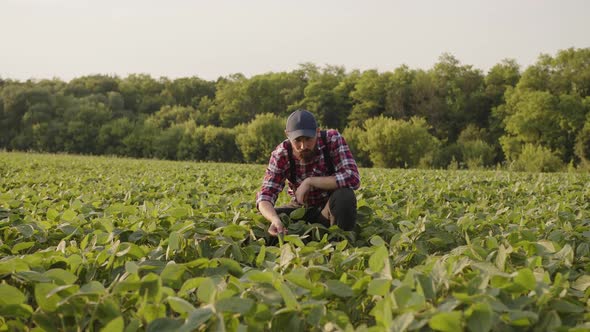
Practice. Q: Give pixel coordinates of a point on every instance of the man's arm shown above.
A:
(347, 174)
(269, 213)
(319, 182)
(272, 185)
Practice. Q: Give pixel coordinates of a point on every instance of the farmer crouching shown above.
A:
(321, 172)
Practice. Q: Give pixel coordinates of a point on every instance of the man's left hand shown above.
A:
(302, 191)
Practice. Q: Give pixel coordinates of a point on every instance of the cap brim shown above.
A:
(303, 132)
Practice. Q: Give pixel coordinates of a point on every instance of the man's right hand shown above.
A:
(276, 227)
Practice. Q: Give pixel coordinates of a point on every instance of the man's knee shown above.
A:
(343, 207)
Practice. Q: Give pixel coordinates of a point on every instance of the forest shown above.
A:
(449, 116)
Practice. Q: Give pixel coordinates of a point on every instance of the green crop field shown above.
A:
(95, 243)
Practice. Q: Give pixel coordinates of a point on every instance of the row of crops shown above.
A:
(105, 244)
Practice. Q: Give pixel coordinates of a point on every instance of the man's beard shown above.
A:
(306, 155)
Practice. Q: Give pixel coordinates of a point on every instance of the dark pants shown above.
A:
(342, 205)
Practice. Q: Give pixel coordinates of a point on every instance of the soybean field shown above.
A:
(112, 244)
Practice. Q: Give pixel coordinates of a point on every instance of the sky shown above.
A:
(209, 39)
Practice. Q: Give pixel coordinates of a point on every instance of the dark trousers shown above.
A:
(342, 205)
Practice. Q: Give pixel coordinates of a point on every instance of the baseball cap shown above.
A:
(301, 123)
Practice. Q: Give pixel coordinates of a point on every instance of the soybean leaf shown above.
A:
(115, 325)
(446, 321)
(11, 295)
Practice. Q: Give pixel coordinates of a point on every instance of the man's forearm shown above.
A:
(323, 182)
(268, 211)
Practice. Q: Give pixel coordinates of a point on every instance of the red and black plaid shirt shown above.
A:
(347, 175)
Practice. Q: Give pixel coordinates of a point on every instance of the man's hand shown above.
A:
(276, 227)
(302, 191)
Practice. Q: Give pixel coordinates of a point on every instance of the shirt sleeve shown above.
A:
(274, 177)
(347, 174)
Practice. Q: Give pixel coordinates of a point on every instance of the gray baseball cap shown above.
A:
(301, 123)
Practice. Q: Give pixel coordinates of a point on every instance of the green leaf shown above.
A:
(379, 287)
(164, 325)
(339, 288)
(131, 267)
(232, 266)
(299, 278)
(174, 241)
(402, 322)
(52, 214)
(151, 285)
(426, 286)
(383, 313)
(11, 295)
(43, 296)
(16, 310)
(60, 276)
(295, 239)
(446, 321)
(178, 213)
(93, 287)
(260, 276)
(115, 325)
(480, 318)
(172, 275)
(189, 285)
(582, 283)
(68, 215)
(286, 255)
(234, 305)
(561, 305)
(288, 296)
(196, 319)
(315, 315)
(207, 291)
(179, 305)
(22, 246)
(377, 259)
(261, 256)
(501, 257)
(526, 279)
(297, 214)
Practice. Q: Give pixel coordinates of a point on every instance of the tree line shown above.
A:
(449, 116)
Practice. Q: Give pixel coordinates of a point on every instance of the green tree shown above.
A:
(111, 136)
(188, 91)
(398, 143)
(582, 147)
(533, 118)
(92, 84)
(143, 94)
(501, 76)
(259, 138)
(398, 94)
(534, 158)
(368, 97)
(192, 142)
(83, 119)
(354, 138)
(166, 143)
(168, 116)
(327, 97)
(220, 145)
(239, 100)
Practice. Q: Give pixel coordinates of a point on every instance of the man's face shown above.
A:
(304, 147)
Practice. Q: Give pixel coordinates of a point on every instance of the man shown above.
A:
(321, 172)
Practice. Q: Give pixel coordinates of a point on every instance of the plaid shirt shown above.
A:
(347, 175)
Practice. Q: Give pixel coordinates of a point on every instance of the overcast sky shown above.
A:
(176, 38)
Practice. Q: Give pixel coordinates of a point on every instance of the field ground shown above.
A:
(96, 243)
